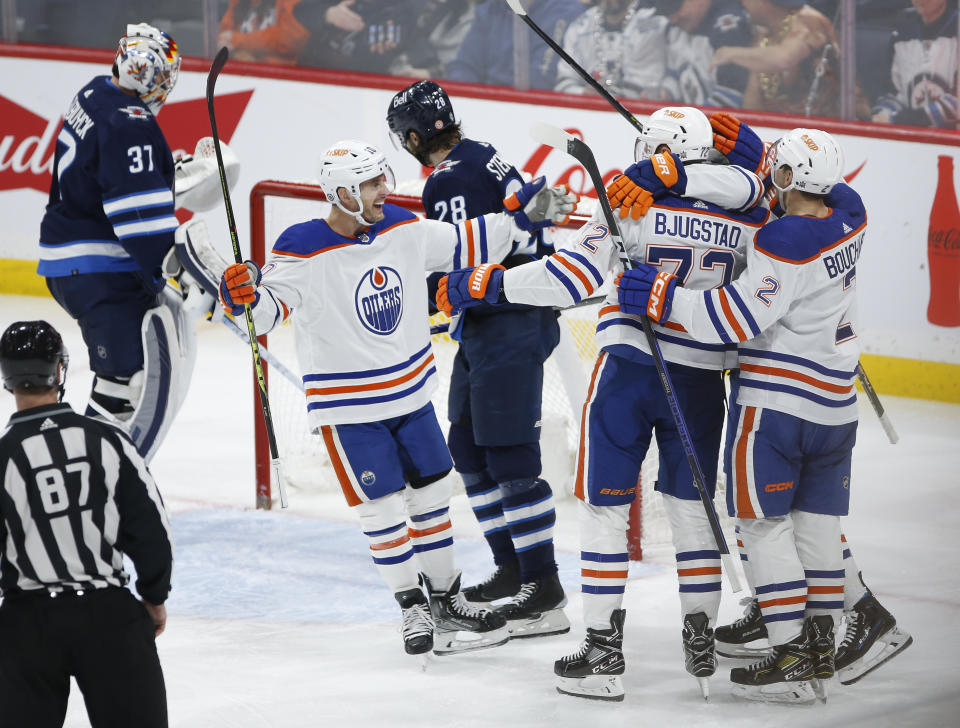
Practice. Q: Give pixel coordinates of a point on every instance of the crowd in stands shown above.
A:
(774, 55)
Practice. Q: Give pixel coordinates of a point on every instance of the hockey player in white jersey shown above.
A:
(793, 407)
(705, 244)
(354, 284)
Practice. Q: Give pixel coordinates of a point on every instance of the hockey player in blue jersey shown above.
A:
(108, 226)
(496, 385)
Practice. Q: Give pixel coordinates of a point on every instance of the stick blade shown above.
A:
(219, 61)
(552, 136)
(516, 7)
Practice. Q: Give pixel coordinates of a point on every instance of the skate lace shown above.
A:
(749, 603)
(417, 620)
(492, 578)
(526, 592)
(461, 606)
(582, 652)
(855, 621)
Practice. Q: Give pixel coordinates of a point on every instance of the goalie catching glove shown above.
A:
(645, 290)
(197, 177)
(470, 287)
(536, 206)
(239, 286)
(645, 182)
(738, 142)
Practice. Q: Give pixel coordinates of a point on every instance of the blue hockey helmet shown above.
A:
(422, 107)
(30, 352)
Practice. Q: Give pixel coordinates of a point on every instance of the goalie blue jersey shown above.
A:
(111, 197)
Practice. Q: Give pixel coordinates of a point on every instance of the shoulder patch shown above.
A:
(135, 112)
(726, 22)
(446, 164)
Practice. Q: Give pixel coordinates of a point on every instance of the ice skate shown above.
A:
(699, 657)
(821, 644)
(733, 639)
(871, 639)
(461, 626)
(594, 670)
(536, 610)
(502, 583)
(417, 627)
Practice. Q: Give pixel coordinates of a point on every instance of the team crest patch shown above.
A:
(845, 482)
(136, 112)
(368, 478)
(379, 300)
(727, 22)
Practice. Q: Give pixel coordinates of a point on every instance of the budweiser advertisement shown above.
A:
(279, 127)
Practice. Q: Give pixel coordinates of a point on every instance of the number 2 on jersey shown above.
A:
(683, 257)
(457, 209)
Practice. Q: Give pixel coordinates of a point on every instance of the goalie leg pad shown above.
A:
(604, 561)
(698, 560)
(384, 522)
(428, 510)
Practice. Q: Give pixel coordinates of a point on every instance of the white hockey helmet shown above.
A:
(148, 63)
(684, 129)
(346, 164)
(814, 157)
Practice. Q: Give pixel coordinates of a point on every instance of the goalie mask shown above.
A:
(422, 107)
(148, 63)
(813, 156)
(347, 164)
(684, 129)
(30, 352)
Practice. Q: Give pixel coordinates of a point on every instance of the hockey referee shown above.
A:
(74, 497)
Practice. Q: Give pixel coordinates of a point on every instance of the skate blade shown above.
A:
(741, 652)
(820, 688)
(592, 687)
(448, 643)
(895, 642)
(786, 693)
(704, 684)
(543, 625)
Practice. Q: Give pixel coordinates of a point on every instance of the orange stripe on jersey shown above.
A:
(420, 533)
(390, 544)
(843, 538)
(286, 311)
(825, 589)
(345, 485)
(468, 224)
(576, 271)
(744, 507)
(370, 387)
(672, 326)
(820, 252)
(731, 319)
(398, 224)
(594, 574)
(783, 601)
(806, 378)
(309, 255)
(578, 488)
(700, 571)
(608, 309)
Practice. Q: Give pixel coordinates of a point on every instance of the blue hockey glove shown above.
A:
(470, 287)
(238, 285)
(536, 206)
(738, 142)
(645, 290)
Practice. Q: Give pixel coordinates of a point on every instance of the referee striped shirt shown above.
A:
(74, 497)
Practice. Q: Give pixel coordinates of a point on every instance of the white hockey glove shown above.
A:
(536, 206)
(197, 179)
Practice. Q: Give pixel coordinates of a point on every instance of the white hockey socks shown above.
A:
(819, 547)
(430, 530)
(698, 559)
(853, 587)
(604, 562)
(384, 522)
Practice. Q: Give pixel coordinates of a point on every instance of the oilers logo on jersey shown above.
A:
(379, 300)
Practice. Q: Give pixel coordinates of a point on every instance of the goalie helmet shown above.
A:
(422, 107)
(29, 354)
(814, 157)
(684, 129)
(148, 63)
(347, 164)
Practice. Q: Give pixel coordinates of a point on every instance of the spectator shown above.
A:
(924, 71)
(263, 30)
(697, 28)
(792, 63)
(622, 44)
(358, 35)
(486, 54)
(441, 28)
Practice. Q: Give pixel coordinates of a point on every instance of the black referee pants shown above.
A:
(103, 638)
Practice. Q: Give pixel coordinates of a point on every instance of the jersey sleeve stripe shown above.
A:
(728, 314)
(458, 250)
(471, 254)
(482, 224)
(745, 312)
(587, 285)
(560, 276)
(586, 264)
(797, 376)
(756, 190)
(138, 201)
(164, 224)
(715, 319)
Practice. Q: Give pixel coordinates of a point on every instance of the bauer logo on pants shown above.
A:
(379, 300)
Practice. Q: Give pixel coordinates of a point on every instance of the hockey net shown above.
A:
(274, 206)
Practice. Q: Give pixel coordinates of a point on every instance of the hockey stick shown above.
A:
(559, 139)
(517, 8)
(215, 68)
(269, 358)
(877, 406)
